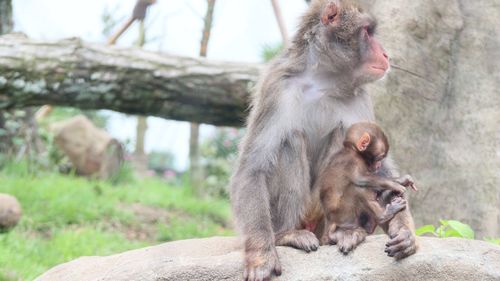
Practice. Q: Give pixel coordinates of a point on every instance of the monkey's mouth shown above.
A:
(382, 68)
(378, 71)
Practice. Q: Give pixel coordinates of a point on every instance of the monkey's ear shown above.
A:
(330, 14)
(363, 142)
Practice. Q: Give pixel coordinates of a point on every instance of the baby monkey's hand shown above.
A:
(407, 181)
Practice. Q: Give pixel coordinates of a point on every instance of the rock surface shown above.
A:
(219, 258)
(441, 105)
(10, 211)
(91, 150)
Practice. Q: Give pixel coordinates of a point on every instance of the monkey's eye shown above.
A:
(370, 29)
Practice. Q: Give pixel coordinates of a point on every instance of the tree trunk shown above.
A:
(6, 26)
(31, 146)
(6, 23)
(90, 76)
(140, 157)
(194, 151)
(281, 22)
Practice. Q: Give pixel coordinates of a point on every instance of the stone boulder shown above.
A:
(10, 211)
(91, 150)
(220, 258)
(440, 105)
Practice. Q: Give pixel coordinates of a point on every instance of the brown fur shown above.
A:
(348, 185)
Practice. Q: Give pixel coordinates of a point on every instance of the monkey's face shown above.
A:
(377, 150)
(374, 155)
(347, 35)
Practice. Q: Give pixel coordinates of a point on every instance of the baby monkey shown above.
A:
(351, 191)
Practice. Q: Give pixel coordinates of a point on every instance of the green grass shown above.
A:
(65, 217)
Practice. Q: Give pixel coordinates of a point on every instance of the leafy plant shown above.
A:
(160, 161)
(270, 51)
(448, 228)
(218, 158)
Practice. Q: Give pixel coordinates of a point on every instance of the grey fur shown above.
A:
(301, 107)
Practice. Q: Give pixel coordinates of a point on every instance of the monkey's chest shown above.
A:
(321, 147)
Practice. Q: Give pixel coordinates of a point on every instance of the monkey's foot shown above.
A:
(261, 264)
(402, 244)
(347, 239)
(300, 239)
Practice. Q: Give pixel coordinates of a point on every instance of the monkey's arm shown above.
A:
(250, 201)
(383, 215)
(376, 182)
(406, 181)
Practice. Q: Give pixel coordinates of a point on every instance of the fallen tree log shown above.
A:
(220, 258)
(90, 76)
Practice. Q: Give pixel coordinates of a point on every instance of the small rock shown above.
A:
(10, 211)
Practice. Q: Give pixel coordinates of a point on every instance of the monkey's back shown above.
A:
(339, 196)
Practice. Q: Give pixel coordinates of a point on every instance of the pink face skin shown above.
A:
(377, 60)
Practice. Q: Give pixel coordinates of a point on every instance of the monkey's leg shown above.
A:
(401, 231)
(300, 239)
(348, 239)
(328, 232)
(290, 192)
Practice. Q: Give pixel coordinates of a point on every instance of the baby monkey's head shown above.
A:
(369, 141)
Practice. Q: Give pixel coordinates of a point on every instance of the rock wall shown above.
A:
(441, 105)
(219, 258)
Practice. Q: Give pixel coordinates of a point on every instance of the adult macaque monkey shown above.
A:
(302, 105)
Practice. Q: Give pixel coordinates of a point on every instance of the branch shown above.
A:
(90, 76)
(281, 21)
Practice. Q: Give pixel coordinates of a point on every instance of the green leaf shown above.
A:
(460, 229)
(443, 222)
(425, 229)
(450, 232)
(440, 231)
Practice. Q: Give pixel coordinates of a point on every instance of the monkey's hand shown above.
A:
(397, 188)
(261, 264)
(402, 244)
(407, 181)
